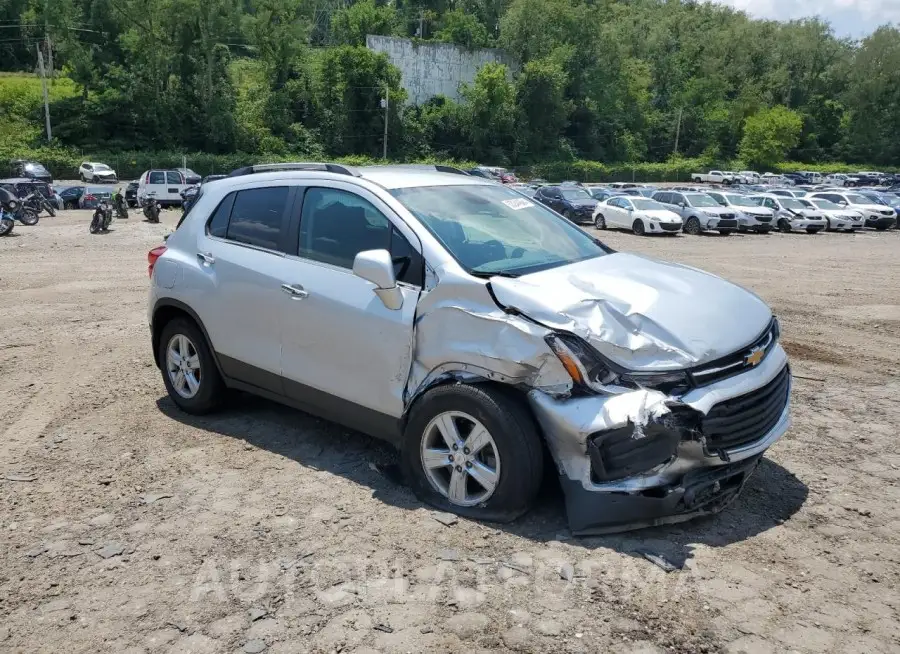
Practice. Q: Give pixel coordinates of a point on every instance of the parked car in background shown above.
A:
(838, 218)
(751, 217)
(131, 194)
(166, 185)
(190, 177)
(93, 196)
(835, 179)
(71, 195)
(886, 199)
(641, 191)
(212, 178)
(97, 173)
(713, 176)
(811, 176)
(791, 214)
(31, 170)
(639, 214)
(751, 176)
(599, 193)
(699, 212)
(524, 189)
(877, 216)
(867, 179)
(573, 202)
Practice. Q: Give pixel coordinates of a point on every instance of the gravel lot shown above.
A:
(127, 526)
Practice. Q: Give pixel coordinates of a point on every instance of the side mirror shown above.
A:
(682, 204)
(376, 266)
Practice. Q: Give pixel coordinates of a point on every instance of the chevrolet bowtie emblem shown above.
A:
(756, 355)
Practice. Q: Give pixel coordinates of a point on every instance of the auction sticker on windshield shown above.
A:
(518, 203)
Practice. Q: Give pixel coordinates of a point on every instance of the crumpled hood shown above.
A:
(641, 313)
(583, 204)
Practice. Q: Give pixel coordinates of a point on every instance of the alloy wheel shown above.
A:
(600, 222)
(460, 458)
(183, 366)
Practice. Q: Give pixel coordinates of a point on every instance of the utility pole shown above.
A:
(678, 129)
(387, 110)
(50, 57)
(44, 88)
(422, 25)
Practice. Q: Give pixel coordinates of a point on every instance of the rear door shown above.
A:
(342, 346)
(615, 215)
(174, 185)
(242, 252)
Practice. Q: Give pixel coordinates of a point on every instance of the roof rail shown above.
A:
(299, 165)
(440, 168)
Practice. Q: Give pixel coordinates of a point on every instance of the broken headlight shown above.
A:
(589, 370)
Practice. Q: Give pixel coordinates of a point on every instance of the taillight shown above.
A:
(152, 256)
(89, 197)
(147, 178)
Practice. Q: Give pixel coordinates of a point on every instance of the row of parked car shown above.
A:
(862, 178)
(692, 210)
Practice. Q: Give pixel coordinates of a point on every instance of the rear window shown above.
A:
(157, 177)
(173, 177)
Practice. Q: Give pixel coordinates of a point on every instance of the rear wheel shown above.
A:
(29, 217)
(692, 226)
(638, 227)
(697, 180)
(188, 369)
(473, 450)
(6, 226)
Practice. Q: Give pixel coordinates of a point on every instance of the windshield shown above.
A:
(35, 168)
(853, 198)
(643, 204)
(826, 204)
(700, 200)
(573, 193)
(101, 167)
(494, 230)
(793, 203)
(740, 201)
(876, 199)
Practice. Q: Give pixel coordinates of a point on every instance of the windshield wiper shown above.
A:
(485, 274)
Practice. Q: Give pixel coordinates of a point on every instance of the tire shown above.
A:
(6, 226)
(50, 210)
(813, 230)
(96, 180)
(69, 205)
(515, 441)
(784, 226)
(29, 217)
(726, 232)
(95, 224)
(692, 226)
(828, 227)
(210, 392)
(697, 180)
(568, 215)
(600, 221)
(638, 227)
(881, 228)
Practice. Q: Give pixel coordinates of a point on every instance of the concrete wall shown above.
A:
(431, 69)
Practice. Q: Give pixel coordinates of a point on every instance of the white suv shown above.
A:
(473, 328)
(96, 172)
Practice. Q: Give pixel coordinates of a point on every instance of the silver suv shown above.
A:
(476, 330)
(699, 212)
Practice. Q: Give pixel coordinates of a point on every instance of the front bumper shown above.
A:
(808, 223)
(721, 223)
(753, 223)
(689, 480)
(880, 222)
(660, 227)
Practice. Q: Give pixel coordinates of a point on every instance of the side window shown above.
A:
(677, 198)
(718, 198)
(625, 204)
(157, 177)
(257, 217)
(336, 225)
(218, 222)
(173, 177)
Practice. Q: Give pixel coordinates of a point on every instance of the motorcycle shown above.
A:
(102, 217)
(188, 198)
(121, 207)
(151, 208)
(6, 222)
(37, 203)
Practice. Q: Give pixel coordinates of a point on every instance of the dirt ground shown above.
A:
(126, 526)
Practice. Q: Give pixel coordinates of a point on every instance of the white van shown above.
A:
(166, 185)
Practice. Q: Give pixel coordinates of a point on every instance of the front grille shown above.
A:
(735, 363)
(670, 227)
(747, 418)
(764, 219)
(887, 213)
(725, 224)
(726, 215)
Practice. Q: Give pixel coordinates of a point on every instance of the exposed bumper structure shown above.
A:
(667, 459)
(713, 223)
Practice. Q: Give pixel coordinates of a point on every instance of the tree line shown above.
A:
(603, 80)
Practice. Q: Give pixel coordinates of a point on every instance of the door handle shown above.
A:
(206, 257)
(296, 291)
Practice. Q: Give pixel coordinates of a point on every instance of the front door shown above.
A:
(344, 352)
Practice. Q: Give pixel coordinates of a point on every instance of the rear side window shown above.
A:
(218, 222)
(258, 217)
(157, 177)
(173, 177)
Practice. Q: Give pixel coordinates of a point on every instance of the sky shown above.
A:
(853, 18)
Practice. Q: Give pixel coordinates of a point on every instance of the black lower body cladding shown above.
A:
(700, 492)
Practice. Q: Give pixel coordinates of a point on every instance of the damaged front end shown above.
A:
(638, 457)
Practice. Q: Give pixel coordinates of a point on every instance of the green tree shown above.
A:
(490, 110)
(463, 29)
(769, 135)
(349, 26)
(540, 95)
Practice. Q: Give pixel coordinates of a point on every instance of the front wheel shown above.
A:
(29, 217)
(880, 228)
(600, 221)
(568, 215)
(473, 450)
(638, 227)
(692, 226)
(95, 224)
(828, 227)
(784, 226)
(6, 226)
